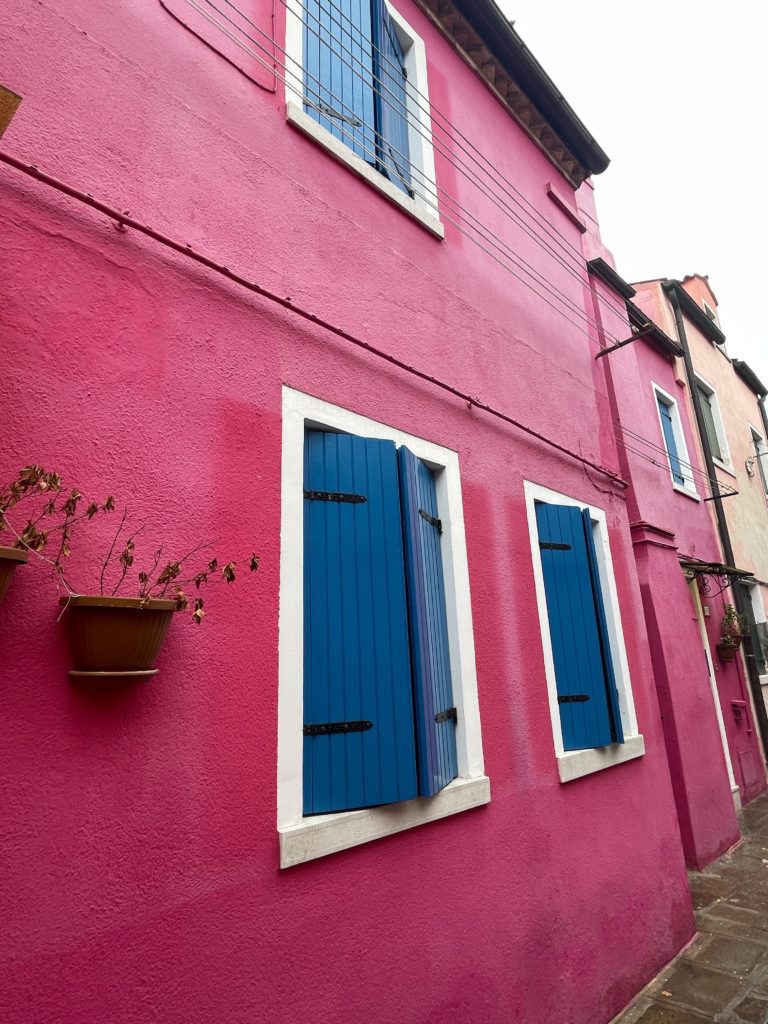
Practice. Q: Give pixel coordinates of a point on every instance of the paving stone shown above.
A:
(659, 1014)
(727, 953)
(698, 986)
(738, 868)
(754, 927)
(750, 1011)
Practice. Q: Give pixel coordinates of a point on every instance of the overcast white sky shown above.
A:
(676, 93)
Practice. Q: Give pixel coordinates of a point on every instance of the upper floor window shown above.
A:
(761, 456)
(713, 423)
(674, 442)
(711, 313)
(357, 83)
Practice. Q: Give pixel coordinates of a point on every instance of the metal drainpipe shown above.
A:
(739, 598)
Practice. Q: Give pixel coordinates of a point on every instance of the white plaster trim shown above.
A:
(573, 764)
(306, 124)
(717, 417)
(708, 309)
(299, 412)
(424, 206)
(689, 487)
(758, 442)
(696, 598)
(684, 490)
(330, 833)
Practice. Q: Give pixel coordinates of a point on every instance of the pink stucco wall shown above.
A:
(141, 879)
(666, 525)
(695, 529)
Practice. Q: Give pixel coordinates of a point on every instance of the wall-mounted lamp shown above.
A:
(9, 104)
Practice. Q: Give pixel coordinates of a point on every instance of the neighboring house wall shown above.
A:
(745, 514)
(669, 521)
(140, 840)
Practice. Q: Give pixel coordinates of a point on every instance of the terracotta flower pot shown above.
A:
(9, 559)
(115, 637)
(726, 653)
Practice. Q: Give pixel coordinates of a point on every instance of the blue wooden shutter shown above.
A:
(669, 441)
(391, 100)
(338, 71)
(602, 629)
(433, 694)
(356, 647)
(579, 648)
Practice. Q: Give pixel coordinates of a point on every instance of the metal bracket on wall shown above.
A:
(628, 341)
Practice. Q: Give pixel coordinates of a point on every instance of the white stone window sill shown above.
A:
(328, 833)
(574, 764)
(306, 124)
(693, 495)
(725, 466)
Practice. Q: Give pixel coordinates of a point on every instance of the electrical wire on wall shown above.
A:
(425, 192)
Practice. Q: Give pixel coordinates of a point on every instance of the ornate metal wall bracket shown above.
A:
(713, 578)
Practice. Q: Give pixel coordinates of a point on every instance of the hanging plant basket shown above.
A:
(115, 638)
(727, 652)
(9, 559)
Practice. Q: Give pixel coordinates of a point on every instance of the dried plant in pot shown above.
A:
(116, 631)
(732, 629)
(30, 500)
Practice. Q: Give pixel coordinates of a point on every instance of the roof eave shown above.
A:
(750, 378)
(521, 66)
(693, 311)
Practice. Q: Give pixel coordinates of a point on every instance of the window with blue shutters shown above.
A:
(379, 716)
(586, 670)
(587, 697)
(674, 441)
(356, 84)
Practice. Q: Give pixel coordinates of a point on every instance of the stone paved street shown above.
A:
(723, 975)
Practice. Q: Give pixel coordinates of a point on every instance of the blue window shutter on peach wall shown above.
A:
(586, 690)
(430, 658)
(357, 661)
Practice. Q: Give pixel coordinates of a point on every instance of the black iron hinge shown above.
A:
(432, 520)
(450, 715)
(332, 728)
(351, 499)
(573, 698)
(546, 546)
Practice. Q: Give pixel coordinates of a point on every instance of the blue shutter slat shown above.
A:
(356, 645)
(391, 103)
(338, 66)
(576, 646)
(433, 693)
(670, 442)
(602, 628)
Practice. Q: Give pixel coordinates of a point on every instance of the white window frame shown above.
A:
(305, 838)
(689, 487)
(574, 764)
(758, 443)
(423, 206)
(711, 313)
(717, 418)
